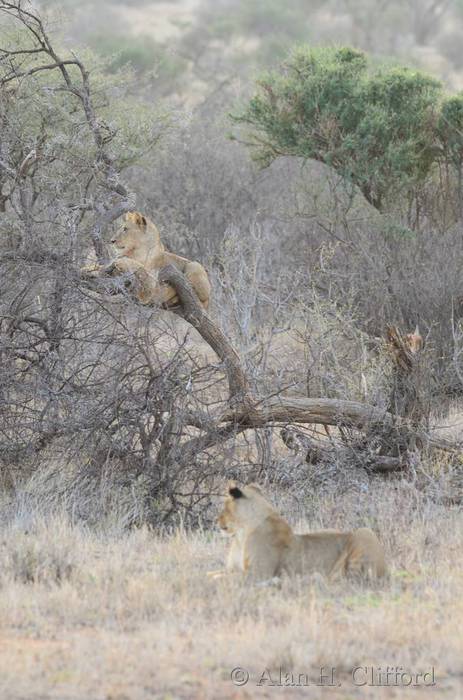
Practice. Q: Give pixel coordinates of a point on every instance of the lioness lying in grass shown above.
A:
(264, 545)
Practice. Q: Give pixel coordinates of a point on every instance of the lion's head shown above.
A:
(243, 506)
(136, 237)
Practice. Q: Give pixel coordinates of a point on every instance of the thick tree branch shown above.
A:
(193, 312)
(245, 412)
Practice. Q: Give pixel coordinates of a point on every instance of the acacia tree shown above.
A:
(450, 132)
(375, 127)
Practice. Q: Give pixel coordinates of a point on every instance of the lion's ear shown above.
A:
(140, 220)
(235, 492)
(136, 217)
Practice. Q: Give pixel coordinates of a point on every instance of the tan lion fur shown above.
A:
(264, 545)
(141, 252)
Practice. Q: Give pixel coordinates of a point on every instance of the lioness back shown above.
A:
(316, 551)
(335, 553)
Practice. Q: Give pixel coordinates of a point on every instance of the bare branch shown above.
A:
(82, 90)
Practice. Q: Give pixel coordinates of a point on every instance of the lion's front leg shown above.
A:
(118, 265)
(147, 288)
(143, 283)
(115, 267)
(123, 265)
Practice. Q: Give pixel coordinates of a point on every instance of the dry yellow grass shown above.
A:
(122, 616)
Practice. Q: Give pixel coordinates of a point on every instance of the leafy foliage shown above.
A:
(375, 126)
(450, 128)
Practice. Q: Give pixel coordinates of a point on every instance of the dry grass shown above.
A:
(87, 614)
(451, 426)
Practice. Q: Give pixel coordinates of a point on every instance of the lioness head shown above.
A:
(243, 506)
(137, 233)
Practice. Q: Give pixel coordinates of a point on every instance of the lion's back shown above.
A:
(333, 553)
(317, 551)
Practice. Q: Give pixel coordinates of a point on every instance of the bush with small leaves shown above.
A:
(374, 126)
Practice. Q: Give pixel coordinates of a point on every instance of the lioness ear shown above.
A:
(140, 219)
(136, 217)
(235, 492)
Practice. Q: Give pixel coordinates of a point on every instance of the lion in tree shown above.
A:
(141, 252)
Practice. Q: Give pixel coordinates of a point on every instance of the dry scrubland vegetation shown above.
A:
(119, 424)
(112, 614)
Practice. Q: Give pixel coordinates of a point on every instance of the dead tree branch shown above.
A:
(80, 87)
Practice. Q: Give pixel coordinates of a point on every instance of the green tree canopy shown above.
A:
(450, 128)
(376, 126)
